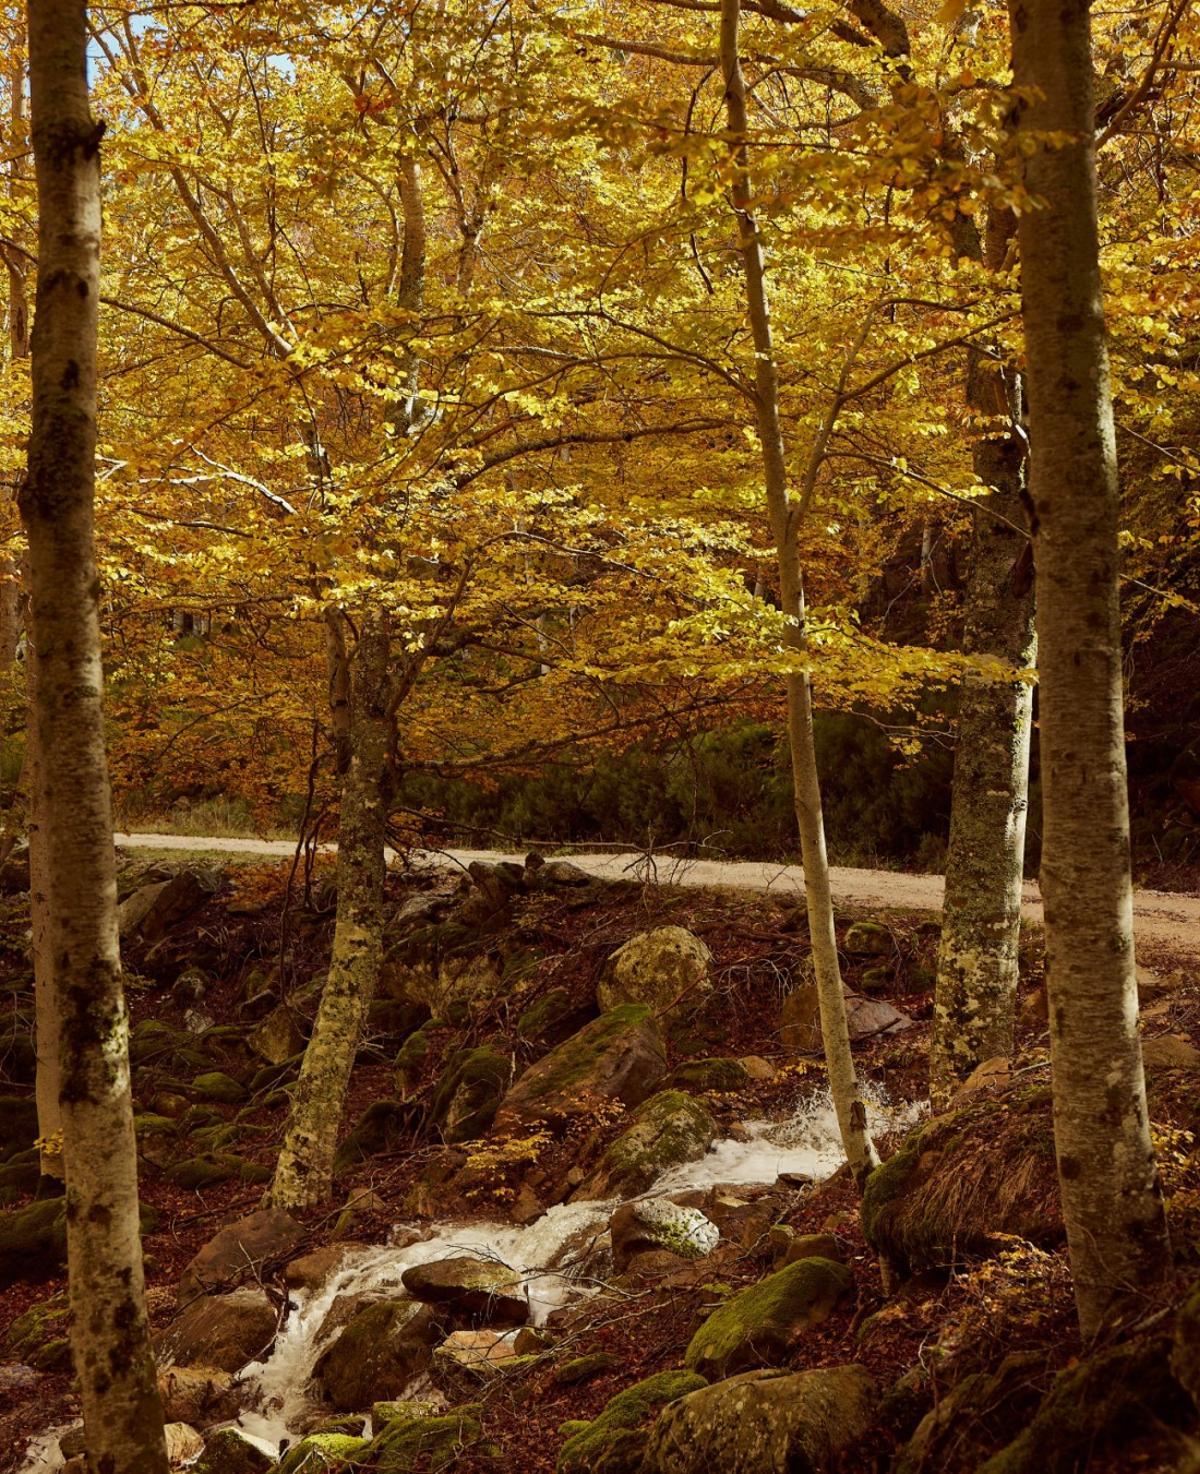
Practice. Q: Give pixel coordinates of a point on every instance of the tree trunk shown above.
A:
(45, 999)
(977, 971)
(122, 1416)
(784, 519)
(1112, 1205)
(304, 1173)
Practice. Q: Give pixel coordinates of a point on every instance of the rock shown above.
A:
(14, 872)
(1152, 985)
(764, 1423)
(33, 1241)
(992, 1072)
(216, 1085)
(469, 1092)
(1185, 1352)
(665, 1131)
(323, 1453)
(222, 1331)
(1170, 1052)
(761, 1326)
(666, 968)
(241, 1249)
(16, 1379)
(553, 1018)
(657, 1224)
(311, 1271)
(479, 1289)
(559, 874)
(619, 1056)
(965, 1183)
(976, 1416)
(469, 1361)
(39, 1336)
(211, 1168)
(582, 1368)
(18, 1125)
(613, 1442)
(383, 1347)
(152, 910)
(758, 1068)
(184, 1444)
(800, 1021)
(1111, 1397)
(383, 1413)
(229, 1451)
(797, 1246)
(200, 1396)
(429, 1444)
(382, 1127)
(277, 1038)
(868, 939)
(721, 1075)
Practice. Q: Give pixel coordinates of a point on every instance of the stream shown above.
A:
(276, 1404)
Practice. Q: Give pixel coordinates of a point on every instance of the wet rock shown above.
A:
(323, 1453)
(868, 939)
(764, 1423)
(311, 1271)
(964, 1181)
(469, 1093)
(613, 1442)
(666, 968)
(619, 1056)
(222, 1331)
(184, 1444)
(242, 1249)
(152, 910)
(761, 1326)
(229, 1451)
(429, 1444)
(720, 1075)
(200, 1396)
(478, 1289)
(656, 1224)
(667, 1130)
(383, 1347)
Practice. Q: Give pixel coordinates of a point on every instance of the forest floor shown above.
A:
(1163, 920)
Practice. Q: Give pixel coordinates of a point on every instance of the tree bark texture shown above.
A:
(122, 1416)
(784, 520)
(1112, 1205)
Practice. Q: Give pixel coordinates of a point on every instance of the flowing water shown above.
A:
(276, 1401)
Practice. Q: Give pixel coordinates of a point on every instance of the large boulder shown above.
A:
(665, 1131)
(323, 1453)
(479, 1290)
(230, 1451)
(764, 1422)
(33, 1241)
(200, 1396)
(668, 968)
(425, 1442)
(382, 1348)
(469, 1092)
(656, 1225)
(619, 1056)
(967, 1183)
(242, 1249)
(760, 1326)
(152, 910)
(613, 1442)
(978, 1415)
(222, 1331)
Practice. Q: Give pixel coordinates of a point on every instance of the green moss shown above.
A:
(383, 1413)
(571, 1063)
(425, 1443)
(38, 1337)
(381, 1127)
(613, 1443)
(722, 1075)
(216, 1085)
(33, 1241)
(580, 1368)
(226, 1451)
(320, 1452)
(415, 1051)
(760, 1326)
(1096, 1406)
(467, 1095)
(211, 1168)
(540, 1017)
(666, 1130)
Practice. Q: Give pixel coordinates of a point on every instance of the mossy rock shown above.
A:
(211, 1168)
(613, 1442)
(426, 1443)
(383, 1347)
(470, 1089)
(760, 1326)
(965, 1183)
(217, 1085)
(323, 1453)
(196, 1117)
(382, 1127)
(33, 1241)
(393, 1019)
(550, 1018)
(667, 1130)
(393, 1411)
(723, 1076)
(977, 1416)
(667, 968)
(18, 1125)
(228, 1451)
(583, 1368)
(416, 1052)
(868, 939)
(39, 1336)
(619, 1056)
(20, 1174)
(1097, 1407)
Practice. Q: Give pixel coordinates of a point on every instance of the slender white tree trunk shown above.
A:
(121, 1411)
(783, 512)
(1112, 1205)
(304, 1172)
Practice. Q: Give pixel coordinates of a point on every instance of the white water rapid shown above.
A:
(275, 1402)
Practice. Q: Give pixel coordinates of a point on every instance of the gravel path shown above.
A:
(1163, 920)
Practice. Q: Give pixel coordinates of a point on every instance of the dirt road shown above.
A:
(1166, 922)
